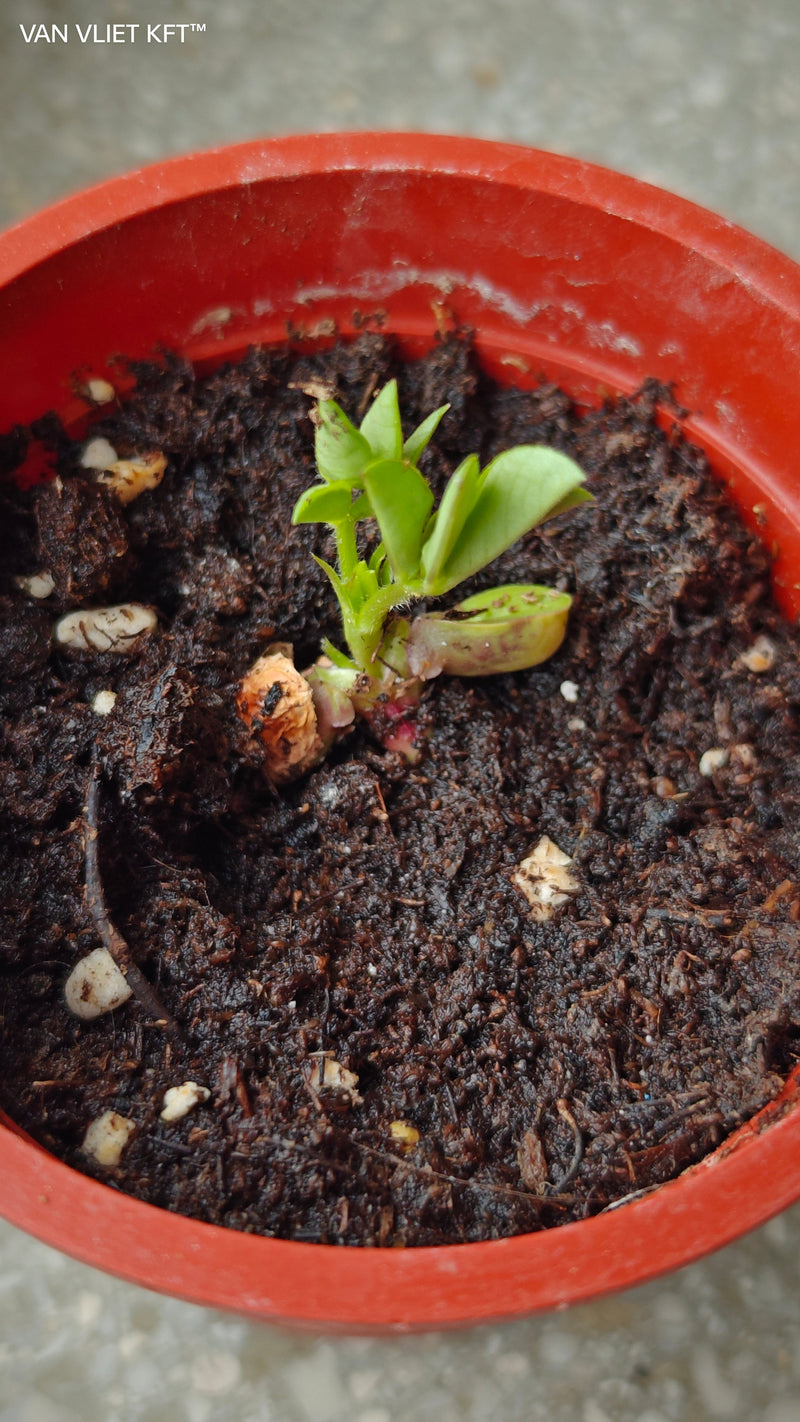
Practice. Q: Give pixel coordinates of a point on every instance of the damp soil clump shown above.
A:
(395, 1049)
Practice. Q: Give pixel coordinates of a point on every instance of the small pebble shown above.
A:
(38, 585)
(100, 392)
(332, 1076)
(105, 629)
(107, 1136)
(337, 1076)
(95, 986)
(712, 760)
(761, 657)
(98, 454)
(180, 1100)
(104, 702)
(128, 478)
(569, 690)
(576, 723)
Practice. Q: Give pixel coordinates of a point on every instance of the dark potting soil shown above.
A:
(369, 912)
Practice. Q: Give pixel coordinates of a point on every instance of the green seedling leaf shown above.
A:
(377, 558)
(401, 500)
(340, 450)
(570, 501)
(457, 501)
(364, 583)
(420, 438)
(338, 658)
(342, 593)
(324, 503)
(518, 490)
(381, 425)
(500, 630)
(350, 606)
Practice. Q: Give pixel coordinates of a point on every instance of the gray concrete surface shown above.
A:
(701, 96)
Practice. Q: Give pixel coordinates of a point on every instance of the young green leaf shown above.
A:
(420, 438)
(340, 450)
(324, 503)
(517, 491)
(338, 658)
(342, 593)
(457, 501)
(569, 501)
(381, 425)
(363, 584)
(401, 500)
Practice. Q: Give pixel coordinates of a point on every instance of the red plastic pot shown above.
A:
(563, 269)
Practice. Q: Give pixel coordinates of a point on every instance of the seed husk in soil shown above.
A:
(380, 1038)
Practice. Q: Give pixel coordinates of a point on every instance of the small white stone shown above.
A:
(95, 986)
(337, 1076)
(180, 1100)
(100, 392)
(98, 454)
(713, 760)
(570, 690)
(545, 878)
(761, 657)
(107, 1136)
(105, 629)
(372, 971)
(332, 1077)
(104, 702)
(38, 585)
(128, 478)
(576, 723)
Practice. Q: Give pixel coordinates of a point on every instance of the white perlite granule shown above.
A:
(107, 1136)
(95, 986)
(545, 878)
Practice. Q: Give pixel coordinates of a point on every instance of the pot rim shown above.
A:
(752, 1176)
(750, 259)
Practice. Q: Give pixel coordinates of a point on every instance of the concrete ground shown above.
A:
(700, 96)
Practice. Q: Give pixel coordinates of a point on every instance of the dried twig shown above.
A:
(110, 936)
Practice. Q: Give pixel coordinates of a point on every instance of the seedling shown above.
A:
(371, 472)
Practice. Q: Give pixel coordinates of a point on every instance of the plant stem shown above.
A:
(365, 638)
(346, 551)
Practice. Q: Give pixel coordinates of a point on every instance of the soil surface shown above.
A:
(367, 916)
